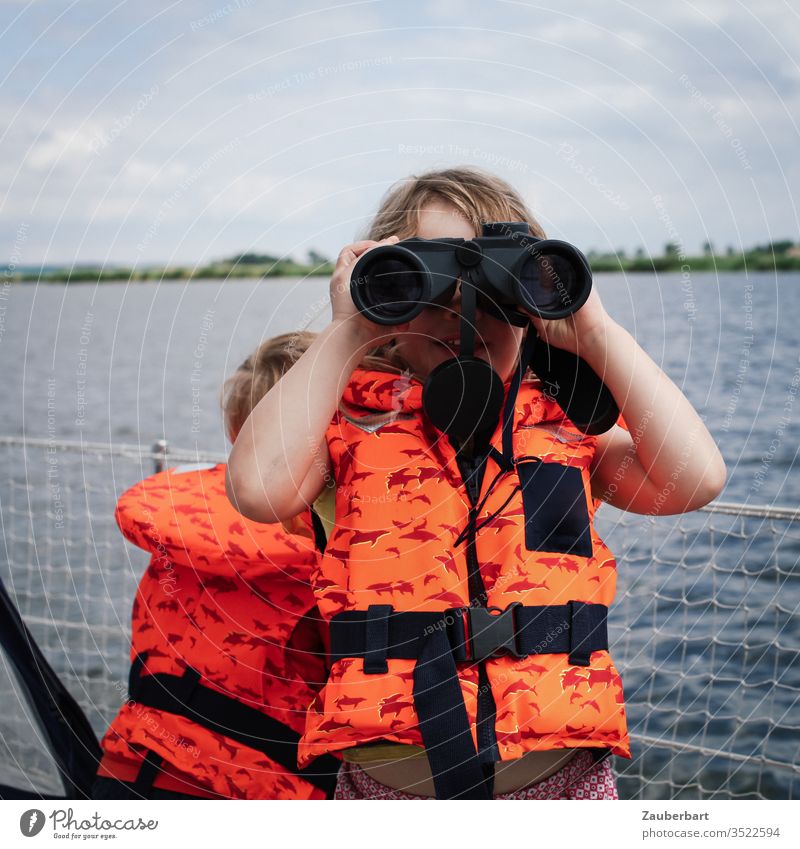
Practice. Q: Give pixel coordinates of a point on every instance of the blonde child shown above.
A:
(433, 539)
(225, 657)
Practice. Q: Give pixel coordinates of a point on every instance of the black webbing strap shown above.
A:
(526, 354)
(68, 735)
(320, 537)
(600, 754)
(377, 638)
(184, 696)
(576, 628)
(148, 772)
(444, 724)
(469, 299)
(438, 640)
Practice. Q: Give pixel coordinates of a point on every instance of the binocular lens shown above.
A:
(391, 286)
(550, 283)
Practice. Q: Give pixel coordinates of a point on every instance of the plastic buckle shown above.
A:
(492, 631)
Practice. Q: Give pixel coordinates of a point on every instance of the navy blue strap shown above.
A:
(184, 696)
(499, 459)
(377, 634)
(468, 305)
(581, 630)
(526, 354)
(438, 640)
(148, 771)
(444, 724)
(318, 528)
(187, 685)
(538, 629)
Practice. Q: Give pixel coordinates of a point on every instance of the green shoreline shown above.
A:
(758, 259)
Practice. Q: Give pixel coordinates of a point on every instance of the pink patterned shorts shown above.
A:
(581, 778)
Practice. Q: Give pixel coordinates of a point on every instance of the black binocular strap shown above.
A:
(525, 357)
(437, 641)
(185, 696)
(469, 298)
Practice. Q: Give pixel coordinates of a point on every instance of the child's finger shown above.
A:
(390, 241)
(358, 248)
(350, 253)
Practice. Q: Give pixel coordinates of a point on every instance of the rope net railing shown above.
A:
(705, 629)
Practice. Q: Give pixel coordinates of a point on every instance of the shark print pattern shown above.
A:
(227, 597)
(401, 506)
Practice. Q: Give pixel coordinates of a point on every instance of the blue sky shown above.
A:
(155, 132)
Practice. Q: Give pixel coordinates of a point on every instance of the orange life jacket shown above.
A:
(401, 543)
(225, 659)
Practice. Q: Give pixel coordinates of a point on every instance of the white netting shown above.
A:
(73, 577)
(705, 630)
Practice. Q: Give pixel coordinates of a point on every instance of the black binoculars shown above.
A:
(509, 268)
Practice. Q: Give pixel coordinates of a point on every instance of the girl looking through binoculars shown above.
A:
(464, 586)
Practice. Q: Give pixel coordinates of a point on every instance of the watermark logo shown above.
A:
(65, 825)
(31, 822)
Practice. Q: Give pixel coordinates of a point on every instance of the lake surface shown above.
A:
(140, 362)
(705, 629)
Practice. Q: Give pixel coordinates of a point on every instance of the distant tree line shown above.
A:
(781, 255)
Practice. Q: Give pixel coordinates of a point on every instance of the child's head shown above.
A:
(452, 203)
(258, 374)
(473, 195)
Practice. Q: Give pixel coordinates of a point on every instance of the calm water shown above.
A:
(135, 363)
(705, 629)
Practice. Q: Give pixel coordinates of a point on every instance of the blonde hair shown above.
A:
(258, 374)
(479, 196)
(266, 366)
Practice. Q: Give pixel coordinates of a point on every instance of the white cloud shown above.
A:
(509, 84)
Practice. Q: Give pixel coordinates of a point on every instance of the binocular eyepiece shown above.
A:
(509, 268)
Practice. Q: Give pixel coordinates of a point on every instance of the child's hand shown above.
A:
(579, 332)
(342, 305)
